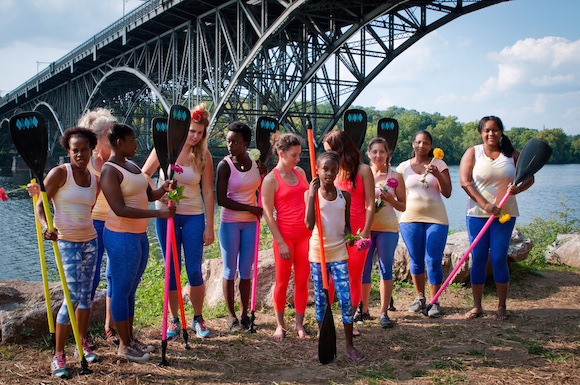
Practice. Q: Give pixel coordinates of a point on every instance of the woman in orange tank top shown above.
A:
(283, 189)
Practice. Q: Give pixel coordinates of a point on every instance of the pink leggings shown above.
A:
(299, 250)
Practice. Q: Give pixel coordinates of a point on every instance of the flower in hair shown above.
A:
(197, 116)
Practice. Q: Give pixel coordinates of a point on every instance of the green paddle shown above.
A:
(355, 125)
(30, 136)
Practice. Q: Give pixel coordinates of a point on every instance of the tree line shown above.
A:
(454, 137)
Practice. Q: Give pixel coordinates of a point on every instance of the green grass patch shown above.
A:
(449, 378)
(377, 374)
(448, 363)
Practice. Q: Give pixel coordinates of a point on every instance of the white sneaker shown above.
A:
(418, 305)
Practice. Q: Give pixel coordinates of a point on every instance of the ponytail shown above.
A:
(505, 146)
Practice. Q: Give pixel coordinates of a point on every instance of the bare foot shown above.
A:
(473, 313)
(301, 332)
(279, 334)
(355, 332)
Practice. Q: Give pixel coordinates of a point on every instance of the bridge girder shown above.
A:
(242, 58)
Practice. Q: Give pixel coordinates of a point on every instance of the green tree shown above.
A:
(560, 143)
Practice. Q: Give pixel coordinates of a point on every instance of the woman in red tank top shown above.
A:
(357, 178)
(283, 189)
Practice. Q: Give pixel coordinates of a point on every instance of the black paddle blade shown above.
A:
(265, 126)
(30, 137)
(159, 127)
(355, 125)
(327, 338)
(533, 157)
(388, 129)
(177, 129)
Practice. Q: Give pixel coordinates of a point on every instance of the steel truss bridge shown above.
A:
(281, 58)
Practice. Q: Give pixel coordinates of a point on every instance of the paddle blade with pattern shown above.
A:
(388, 129)
(177, 129)
(327, 336)
(265, 126)
(355, 125)
(159, 127)
(30, 137)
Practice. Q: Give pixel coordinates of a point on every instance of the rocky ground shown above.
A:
(540, 343)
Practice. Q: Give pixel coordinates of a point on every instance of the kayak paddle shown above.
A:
(265, 126)
(355, 125)
(327, 336)
(388, 129)
(533, 157)
(30, 137)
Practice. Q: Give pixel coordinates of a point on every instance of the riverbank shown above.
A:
(539, 343)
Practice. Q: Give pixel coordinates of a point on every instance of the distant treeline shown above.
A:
(454, 137)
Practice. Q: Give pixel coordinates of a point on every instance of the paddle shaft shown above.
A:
(171, 231)
(471, 247)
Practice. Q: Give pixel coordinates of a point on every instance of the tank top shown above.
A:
(424, 205)
(190, 178)
(72, 209)
(242, 188)
(134, 189)
(101, 209)
(357, 201)
(490, 178)
(290, 207)
(333, 223)
(386, 219)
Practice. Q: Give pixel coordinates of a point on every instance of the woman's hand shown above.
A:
(208, 235)
(387, 197)
(167, 211)
(314, 186)
(492, 209)
(350, 241)
(49, 235)
(433, 170)
(284, 251)
(263, 168)
(257, 211)
(513, 189)
(33, 189)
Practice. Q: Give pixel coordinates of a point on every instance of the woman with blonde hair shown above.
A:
(193, 219)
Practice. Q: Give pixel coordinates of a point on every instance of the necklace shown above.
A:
(242, 167)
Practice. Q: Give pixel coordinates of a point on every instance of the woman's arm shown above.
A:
(208, 200)
(111, 186)
(151, 165)
(223, 176)
(466, 179)
(347, 228)
(55, 179)
(443, 179)
(368, 180)
(269, 188)
(310, 200)
(400, 203)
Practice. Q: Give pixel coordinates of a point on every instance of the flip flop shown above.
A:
(355, 356)
(473, 314)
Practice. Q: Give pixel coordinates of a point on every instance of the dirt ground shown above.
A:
(540, 343)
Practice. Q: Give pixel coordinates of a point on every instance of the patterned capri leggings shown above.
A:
(339, 272)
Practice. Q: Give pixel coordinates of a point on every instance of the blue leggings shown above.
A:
(496, 250)
(99, 226)
(426, 243)
(237, 243)
(127, 255)
(189, 233)
(385, 243)
(78, 262)
(339, 273)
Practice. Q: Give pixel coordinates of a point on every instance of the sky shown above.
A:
(519, 60)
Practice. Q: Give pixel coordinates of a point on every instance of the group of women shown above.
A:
(102, 182)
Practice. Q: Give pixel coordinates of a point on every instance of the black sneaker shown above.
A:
(245, 322)
(385, 321)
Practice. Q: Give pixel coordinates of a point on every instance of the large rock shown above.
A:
(565, 250)
(23, 309)
(213, 275)
(457, 245)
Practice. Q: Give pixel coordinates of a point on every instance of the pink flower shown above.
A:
(177, 168)
(392, 183)
(3, 196)
(363, 244)
(197, 116)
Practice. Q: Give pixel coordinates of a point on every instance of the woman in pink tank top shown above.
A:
(283, 189)
(357, 178)
(238, 179)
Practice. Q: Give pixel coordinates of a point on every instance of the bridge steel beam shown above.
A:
(281, 58)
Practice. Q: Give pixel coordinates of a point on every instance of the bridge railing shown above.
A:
(62, 63)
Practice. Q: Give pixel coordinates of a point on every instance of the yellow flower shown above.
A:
(504, 218)
(438, 153)
(255, 154)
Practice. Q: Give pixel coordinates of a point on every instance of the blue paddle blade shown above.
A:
(533, 157)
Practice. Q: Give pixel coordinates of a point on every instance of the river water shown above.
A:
(19, 250)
